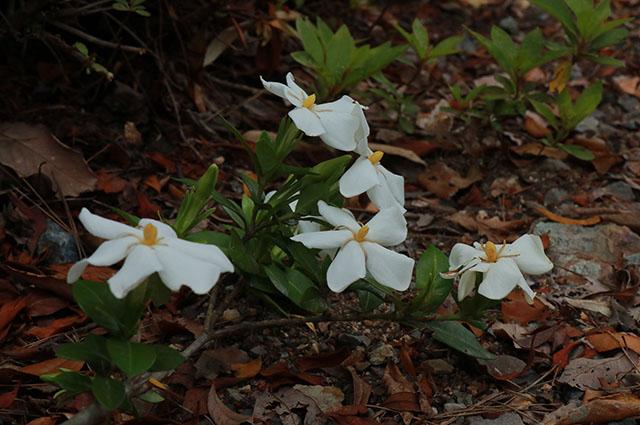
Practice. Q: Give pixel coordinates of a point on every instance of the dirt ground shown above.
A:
(571, 358)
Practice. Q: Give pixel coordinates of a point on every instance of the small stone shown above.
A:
(589, 124)
(509, 24)
(448, 407)
(552, 164)
(621, 190)
(555, 196)
(629, 103)
(259, 350)
(60, 244)
(468, 44)
(437, 366)
(510, 418)
(231, 315)
(576, 72)
(381, 353)
(353, 341)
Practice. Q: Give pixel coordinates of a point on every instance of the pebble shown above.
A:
(353, 341)
(552, 164)
(629, 103)
(589, 124)
(509, 418)
(448, 407)
(381, 353)
(510, 25)
(555, 196)
(621, 190)
(60, 244)
(438, 366)
(259, 350)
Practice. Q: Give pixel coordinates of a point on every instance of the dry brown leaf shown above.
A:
(627, 84)
(561, 75)
(536, 125)
(31, 149)
(394, 380)
(247, 370)
(612, 341)
(221, 414)
(590, 305)
(361, 390)
(538, 149)
(591, 373)
(52, 366)
(219, 44)
(397, 151)
(615, 407)
(439, 179)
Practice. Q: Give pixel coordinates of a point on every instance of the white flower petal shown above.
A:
(200, 251)
(466, 285)
(359, 178)
(140, 263)
(394, 182)
(382, 197)
(164, 230)
(294, 92)
(307, 226)
(110, 252)
(324, 240)
(461, 254)
(338, 216)
(278, 89)
(103, 227)
(389, 268)
(76, 271)
(388, 227)
(531, 257)
(528, 292)
(477, 265)
(340, 129)
(180, 268)
(347, 267)
(307, 122)
(501, 278)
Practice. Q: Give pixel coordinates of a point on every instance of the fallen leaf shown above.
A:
(397, 151)
(10, 309)
(438, 179)
(627, 84)
(613, 340)
(42, 304)
(55, 327)
(590, 305)
(505, 186)
(153, 182)
(195, 399)
(612, 408)
(322, 360)
(31, 149)
(515, 308)
(247, 370)
(109, 183)
(504, 367)
(361, 390)
(591, 373)
(8, 398)
(535, 125)
(538, 149)
(394, 380)
(43, 421)
(219, 44)
(221, 414)
(325, 397)
(52, 366)
(561, 75)
(131, 134)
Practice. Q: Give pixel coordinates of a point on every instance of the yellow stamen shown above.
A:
(491, 251)
(376, 157)
(150, 233)
(362, 233)
(309, 102)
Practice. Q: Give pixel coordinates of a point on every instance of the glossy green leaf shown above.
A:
(434, 288)
(97, 301)
(420, 37)
(297, 287)
(109, 392)
(92, 350)
(559, 10)
(368, 300)
(447, 46)
(456, 336)
(73, 382)
(166, 358)
(132, 358)
(546, 112)
(310, 41)
(151, 397)
(587, 103)
(578, 151)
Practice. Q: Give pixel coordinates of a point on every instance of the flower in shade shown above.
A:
(384, 188)
(340, 124)
(149, 248)
(361, 248)
(501, 266)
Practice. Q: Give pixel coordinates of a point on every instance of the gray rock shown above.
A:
(555, 196)
(353, 341)
(589, 124)
(259, 350)
(438, 366)
(510, 25)
(552, 164)
(510, 418)
(381, 354)
(576, 72)
(60, 244)
(621, 190)
(448, 407)
(629, 103)
(468, 44)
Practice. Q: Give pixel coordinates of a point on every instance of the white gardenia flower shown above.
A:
(340, 124)
(384, 188)
(151, 247)
(361, 248)
(501, 265)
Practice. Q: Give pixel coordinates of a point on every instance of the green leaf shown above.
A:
(434, 288)
(456, 336)
(97, 301)
(587, 103)
(421, 38)
(132, 358)
(240, 255)
(304, 59)
(73, 382)
(339, 50)
(565, 108)
(578, 151)
(151, 397)
(605, 60)
(221, 240)
(546, 112)
(608, 34)
(310, 41)
(324, 32)
(446, 47)
(297, 287)
(166, 358)
(157, 291)
(368, 300)
(109, 392)
(92, 350)
(306, 258)
(558, 10)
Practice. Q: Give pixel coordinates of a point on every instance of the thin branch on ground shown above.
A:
(98, 41)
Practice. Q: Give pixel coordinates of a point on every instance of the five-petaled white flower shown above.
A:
(340, 124)
(502, 266)
(384, 188)
(151, 247)
(360, 247)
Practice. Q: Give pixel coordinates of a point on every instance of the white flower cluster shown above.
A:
(361, 248)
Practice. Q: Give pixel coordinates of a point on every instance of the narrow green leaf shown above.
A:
(559, 10)
(166, 358)
(587, 102)
(131, 357)
(297, 287)
(109, 392)
(578, 151)
(434, 288)
(456, 336)
(97, 301)
(447, 46)
(339, 50)
(368, 300)
(310, 41)
(92, 350)
(305, 59)
(151, 397)
(546, 112)
(421, 37)
(73, 382)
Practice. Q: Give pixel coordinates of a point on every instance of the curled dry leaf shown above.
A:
(221, 414)
(615, 407)
(247, 370)
(397, 151)
(535, 125)
(538, 149)
(31, 149)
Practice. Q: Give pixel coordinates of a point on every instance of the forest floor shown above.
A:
(575, 350)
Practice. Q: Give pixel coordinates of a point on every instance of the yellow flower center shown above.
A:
(309, 102)
(376, 157)
(150, 233)
(491, 251)
(362, 233)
